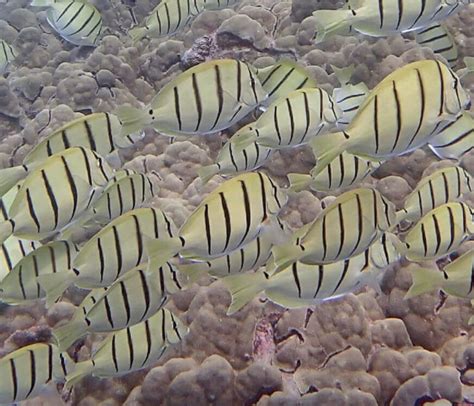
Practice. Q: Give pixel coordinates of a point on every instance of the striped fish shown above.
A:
(132, 349)
(217, 4)
(232, 161)
(110, 253)
(303, 285)
(21, 284)
(455, 139)
(345, 171)
(438, 38)
(26, 371)
(206, 98)
(402, 113)
(344, 229)
(291, 121)
(281, 79)
(348, 97)
(132, 299)
(7, 55)
(439, 232)
(77, 21)
(55, 194)
(442, 186)
(380, 18)
(231, 216)
(100, 132)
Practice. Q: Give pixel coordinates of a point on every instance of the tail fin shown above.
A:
(194, 271)
(326, 148)
(285, 255)
(401, 215)
(332, 22)
(207, 172)
(55, 284)
(243, 288)
(9, 177)
(137, 33)
(343, 75)
(41, 3)
(132, 119)
(69, 333)
(161, 250)
(244, 137)
(424, 281)
(298, 181)
(81, 370)
(6, 230)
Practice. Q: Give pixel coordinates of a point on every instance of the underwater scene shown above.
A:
(237, 202)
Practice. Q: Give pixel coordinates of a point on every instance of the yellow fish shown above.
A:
(438, 38)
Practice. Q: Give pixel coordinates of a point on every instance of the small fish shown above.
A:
(232, 161)
(231, 216)
(294, 120)
(26, 371)
(402, 113)
(442, 186)
(281, 79)
(348, 97)
(345, 171)
(130, 300)
(302, 285)
(344, 229)
(205, 99)
(109, 254)
(437, 37)
(455, 279)
(77, 21)
(100, 132)
(439, 232)
(378, 18)
(55, 194)
(21, 284)
(132, 349)
(455, 139)
(7, 55)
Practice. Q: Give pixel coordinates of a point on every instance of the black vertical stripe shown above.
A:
(207, 222)
(424, 240)
(149, 342)
(381, 13)
(108, 311)
(146, 292)
(239, 80)
(343, 275)
(73, 17)
(65, 11)
(422, 106)
(441, 79)
(51, 197)
(197, 99)
(177, 108)
(294, 270)
(325, 243)
(342, 233)
(132, 190)
(32, 373)
(101, 260)
(228, 224)
(126, 303)
(451, 229)
(423, 5)
(247, 208)
(275, 123)
(400, 13)
(168, 19)
(130, 348)
(138, 235)
(32, 211)
(280, 83)
(50, 362)
(437, 234)
(320, 280)
(253, 84)
(114, 352)
(399, 115)
(14, 378)
(109, 132)
(120, 197)
(220, 95)
(376, 124)
(264, 196)
(307, 116)
(292, 120)
(118, 250)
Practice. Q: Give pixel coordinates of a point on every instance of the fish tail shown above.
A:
(284, 256)
(326, 148)
(424, 281)
(207, 172)
(193, 271)
(9, 177)
(401, 215)
(332, 22)
(81, 370)
(6, 230)
(243, 288)
(299, 181)
(41, 3)
(137, 33)
(132, 119)
(70, 332)
(243, 138)
(55, 284)
(161, 250)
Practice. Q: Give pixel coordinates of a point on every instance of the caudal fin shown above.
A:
(55, 284)
(161, 250)
(207, 172)
(9, 177)
(41, 3)
(243, 138)
(81, 370)
(326, 148)
(401, 215)
(194, 271)
(243, 288)
(132, 119)
(332, 22)
(6, 230)
(284, 256)
(69, 333)
(298, 181)
(424, 281)
(137, 33)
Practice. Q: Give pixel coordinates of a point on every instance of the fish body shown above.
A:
(291, 121)
(440, 232)
(205, 99)
(437, 37)
(133, 348)
(402, 113)
(56, 193)
(217, 4)
(132, 299)
(442, 186)
(7, 55)
(26, 371)
(344, 229)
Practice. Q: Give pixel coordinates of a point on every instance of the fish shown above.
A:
(438, 38)
(131, 299)
(55, 194)
(232, 161)
(110, 253)
(282, 78)
(7, 55)
(100, 132)
(348, 97)
(402, 113)
(291, 121)
(377, 18)
(344, 229)
(442, 186)
(455, 139)
(345, 171)
(218, 4)
(76, 21)
(439, 232)
(303, 285)
(455, 279)
(21, 284)
(207, 98)
(231, 216)
(26, 371)
(132, 349)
